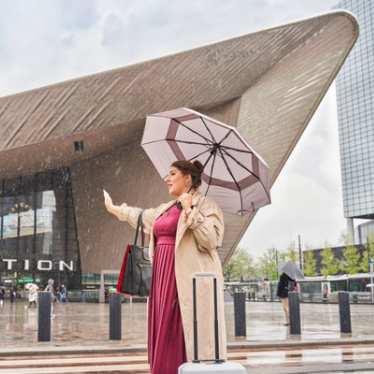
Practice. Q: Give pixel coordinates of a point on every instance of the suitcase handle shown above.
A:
(216, 342)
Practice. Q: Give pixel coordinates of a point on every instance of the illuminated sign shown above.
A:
(42, 265)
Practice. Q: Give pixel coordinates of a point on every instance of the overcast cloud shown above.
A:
(43, 42)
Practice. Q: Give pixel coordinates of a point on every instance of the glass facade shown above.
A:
(355, 102)
(38, 238)
(365, 231)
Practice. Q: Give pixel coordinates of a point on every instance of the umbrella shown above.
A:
(31, 287)
(234, 175)
(292, 270)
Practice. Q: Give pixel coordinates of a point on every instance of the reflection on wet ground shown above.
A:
(320, 354)
(321, 359)
(334, 359)
(87, 323)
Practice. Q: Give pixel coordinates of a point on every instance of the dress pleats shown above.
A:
(166, 346)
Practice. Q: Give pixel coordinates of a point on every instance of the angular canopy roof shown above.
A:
(268, 84)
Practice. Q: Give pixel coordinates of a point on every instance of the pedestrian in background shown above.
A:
(285, 285)
(2, 296)
(63, 293)
(50, 288)
(12, 294)
(33, 294)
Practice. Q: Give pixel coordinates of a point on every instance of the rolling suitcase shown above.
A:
(215, 365)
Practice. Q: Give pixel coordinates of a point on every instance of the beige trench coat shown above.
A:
(197, 239)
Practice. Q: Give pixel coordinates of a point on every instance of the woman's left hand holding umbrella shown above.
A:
(186, 201)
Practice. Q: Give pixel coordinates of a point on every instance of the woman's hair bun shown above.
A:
(198, 165)
(193, 168)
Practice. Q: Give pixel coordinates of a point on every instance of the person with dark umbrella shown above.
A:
(290, 272)
(285, 285)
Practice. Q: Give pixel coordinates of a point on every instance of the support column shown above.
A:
(102, 289)
(350, 231)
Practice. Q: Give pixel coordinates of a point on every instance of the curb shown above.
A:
(53, 350)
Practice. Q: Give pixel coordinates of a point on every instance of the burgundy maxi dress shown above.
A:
(166, 347)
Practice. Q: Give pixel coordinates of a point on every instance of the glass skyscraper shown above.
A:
(355, 102)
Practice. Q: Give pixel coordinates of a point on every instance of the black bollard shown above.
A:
(344, 312)
(294, 311)
(115, 325)
(44, 316)
(239, 314)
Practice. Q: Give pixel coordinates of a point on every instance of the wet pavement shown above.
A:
(88, 323)
(80, 340)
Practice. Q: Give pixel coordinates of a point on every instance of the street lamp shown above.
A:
(300, 253)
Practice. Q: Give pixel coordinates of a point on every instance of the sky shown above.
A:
(44, 42)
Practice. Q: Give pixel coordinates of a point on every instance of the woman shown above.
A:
(184, 236)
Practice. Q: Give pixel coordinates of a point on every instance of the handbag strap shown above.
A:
(140, 227)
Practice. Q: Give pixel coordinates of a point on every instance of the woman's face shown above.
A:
(177, 182)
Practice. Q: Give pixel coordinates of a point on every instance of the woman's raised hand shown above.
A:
(110, 207)
(108, 202)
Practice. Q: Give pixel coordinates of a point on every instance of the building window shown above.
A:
(38, 231)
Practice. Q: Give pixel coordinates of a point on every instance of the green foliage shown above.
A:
(330, 265)
(267, 264)
(310, 263)
(292, 253)
(282, 256)
(351, 263)
(367, 254)
(240, 267)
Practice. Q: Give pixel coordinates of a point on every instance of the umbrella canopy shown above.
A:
(31, 287)
(292, 270)
(234, 175)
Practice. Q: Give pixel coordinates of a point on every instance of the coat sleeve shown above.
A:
(206, 223)
(131, 214)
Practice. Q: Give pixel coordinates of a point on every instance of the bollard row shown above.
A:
(294, 313)
(45, 312)
(115, 315)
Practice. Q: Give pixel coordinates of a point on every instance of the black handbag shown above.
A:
(136, 271)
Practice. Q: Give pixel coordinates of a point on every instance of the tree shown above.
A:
(367, 254)
(330, 265)
(241, 266)
(292, 253)
(268, 264)
(351, 263)
(310, 263)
